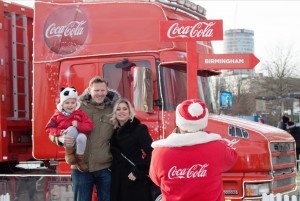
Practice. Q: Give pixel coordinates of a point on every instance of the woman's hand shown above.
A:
(131, 177)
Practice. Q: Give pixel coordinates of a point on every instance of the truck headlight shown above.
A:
(257, 189)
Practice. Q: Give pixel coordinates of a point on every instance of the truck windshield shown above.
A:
(174, 85)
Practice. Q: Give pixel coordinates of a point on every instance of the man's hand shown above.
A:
(66, 140)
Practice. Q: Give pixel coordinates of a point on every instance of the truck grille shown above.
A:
(283, 171)
(282, 146)
(282, 155)
(282, 159)
(284, 182)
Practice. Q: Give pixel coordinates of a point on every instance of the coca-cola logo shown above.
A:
(197, 170)
(199, 30)
(66, 29)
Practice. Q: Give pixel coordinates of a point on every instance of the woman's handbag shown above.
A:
(154, 189)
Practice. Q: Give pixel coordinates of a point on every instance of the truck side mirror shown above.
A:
(142, 89)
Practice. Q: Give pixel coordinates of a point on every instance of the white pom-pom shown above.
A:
(195, 109)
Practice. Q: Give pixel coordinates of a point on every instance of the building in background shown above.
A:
(239, 41)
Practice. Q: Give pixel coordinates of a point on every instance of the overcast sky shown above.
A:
(275, 23)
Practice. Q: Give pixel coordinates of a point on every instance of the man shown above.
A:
(189, 163)
(283, 122)
(97, 102)
(295, 132)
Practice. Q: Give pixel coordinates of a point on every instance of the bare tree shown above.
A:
(282, 76)
(280, 67)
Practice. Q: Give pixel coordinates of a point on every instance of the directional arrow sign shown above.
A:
(226, 61)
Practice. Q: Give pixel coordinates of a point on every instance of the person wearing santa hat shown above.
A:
(189, 163)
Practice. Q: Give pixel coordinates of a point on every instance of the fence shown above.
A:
(278, 197)
(5, 197)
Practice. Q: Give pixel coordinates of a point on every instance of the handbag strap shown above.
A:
(132, 163)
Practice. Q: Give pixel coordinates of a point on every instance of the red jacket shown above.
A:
(60, 122)
(190, 166)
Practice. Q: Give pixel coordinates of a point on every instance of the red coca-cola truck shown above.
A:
(74, 40)
(21, 176)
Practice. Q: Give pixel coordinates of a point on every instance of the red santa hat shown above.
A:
(191, 115)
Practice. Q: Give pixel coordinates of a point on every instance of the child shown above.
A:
(70, 120)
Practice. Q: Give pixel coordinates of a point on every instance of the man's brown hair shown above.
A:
(97, 79)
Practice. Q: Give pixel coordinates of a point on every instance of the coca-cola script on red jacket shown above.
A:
(190, 166)
(60, 122)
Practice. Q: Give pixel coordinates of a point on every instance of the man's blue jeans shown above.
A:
(83, 184)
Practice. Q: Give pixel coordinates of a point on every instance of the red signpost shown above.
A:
(191, 31)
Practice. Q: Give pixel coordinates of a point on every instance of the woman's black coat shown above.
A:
(134, 141)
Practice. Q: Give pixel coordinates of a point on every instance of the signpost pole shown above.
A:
(192, 62)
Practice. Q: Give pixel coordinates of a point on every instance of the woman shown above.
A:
(131, 149)
(189, 163)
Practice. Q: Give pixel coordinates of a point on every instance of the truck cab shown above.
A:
(119, 40)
